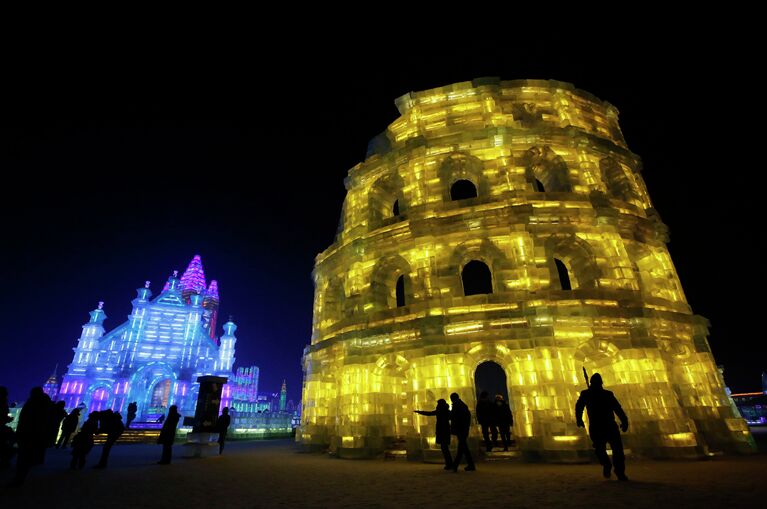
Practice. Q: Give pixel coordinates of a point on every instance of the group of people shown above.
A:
(492, 417)
(453, 421)
(495, 417)
(41, 419)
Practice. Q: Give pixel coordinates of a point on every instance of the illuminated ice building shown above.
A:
(499, 236)
(155, 357)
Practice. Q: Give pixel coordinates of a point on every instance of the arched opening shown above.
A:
(564, 275)
(491, 378)
(476, 278)
(545, 168)
(572, 263)
(400, 291)
(160, 394)
(463, 190)
(390, 284)
(462, 177)
(333, 303)
(618, 181)
(385, 200)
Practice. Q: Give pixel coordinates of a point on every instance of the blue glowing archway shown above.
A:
(143, 385)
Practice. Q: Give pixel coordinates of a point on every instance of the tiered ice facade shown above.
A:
(156, 356)
(506, 224)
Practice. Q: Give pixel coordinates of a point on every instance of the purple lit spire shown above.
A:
(193, 280)
(212, 292)
(194, 276)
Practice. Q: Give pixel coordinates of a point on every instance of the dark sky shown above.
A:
(119, 166)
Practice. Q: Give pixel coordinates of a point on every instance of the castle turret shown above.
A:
(226, 348)
(211, 305)
(89, 339)
(283, 396)
(143, 294)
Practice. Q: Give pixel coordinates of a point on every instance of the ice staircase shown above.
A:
(397, 450)
(498, 454)
(132, 436)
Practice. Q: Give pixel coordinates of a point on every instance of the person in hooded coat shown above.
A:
(168, 435)
(132, 410)
(602, 406)
(503, 419)
(222, 426)
(460, 422)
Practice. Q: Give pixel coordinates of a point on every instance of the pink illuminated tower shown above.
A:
(193, 279)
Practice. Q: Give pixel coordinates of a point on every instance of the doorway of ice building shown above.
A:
(491, 377)
(160, 396)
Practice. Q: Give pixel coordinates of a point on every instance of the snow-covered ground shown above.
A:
(273, 474)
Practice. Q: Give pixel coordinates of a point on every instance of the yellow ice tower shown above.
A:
(504, 226)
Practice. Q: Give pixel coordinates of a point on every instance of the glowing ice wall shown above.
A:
(506, 222)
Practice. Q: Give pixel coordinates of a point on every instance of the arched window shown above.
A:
(463, 190)
(619, 183)
(385, 200)
(400, 291)
(548, 170)
(476, 278)
(564, 276)
(333, 301)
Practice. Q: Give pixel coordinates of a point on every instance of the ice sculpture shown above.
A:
(504, 227)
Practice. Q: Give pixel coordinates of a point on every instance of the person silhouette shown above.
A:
(222, 426)
(485, 418)
(33, 433)
(442, 432)
(168, 435)
(600, 406)
(112, 425)
(68, 427)
(132, 410)
(503, 419)
(83, 441)
(460, 422)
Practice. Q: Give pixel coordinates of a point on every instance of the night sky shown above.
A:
(118, 170)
